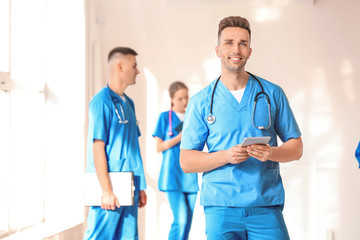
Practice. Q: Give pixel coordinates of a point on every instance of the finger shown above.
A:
(258, 151)
(106, 207)
(253, 153)
(112, 205)
(143, 201)
(117, 203)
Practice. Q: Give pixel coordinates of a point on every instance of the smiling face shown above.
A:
(233, 49)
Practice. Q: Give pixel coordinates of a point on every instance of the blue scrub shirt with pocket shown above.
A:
(172, 177)
(251, 183)
(123, 154)
(121, 140)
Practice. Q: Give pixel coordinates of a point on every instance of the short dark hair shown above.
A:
(122, 50)
(234, 21)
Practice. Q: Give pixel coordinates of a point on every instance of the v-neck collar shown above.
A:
(174, 116)
(232, 100)
(114, 94)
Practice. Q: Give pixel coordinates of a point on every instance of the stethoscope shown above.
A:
(114, 101)
(170, 132)
(211, 118)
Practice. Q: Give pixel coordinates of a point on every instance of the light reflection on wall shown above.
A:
(347, 69)
(156, 201)
(4, 39)
(152, 167)
(211, 68)
(266, 13)
(315, 176)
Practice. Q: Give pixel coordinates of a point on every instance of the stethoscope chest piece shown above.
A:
(210, 119)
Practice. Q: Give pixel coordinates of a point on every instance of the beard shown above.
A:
(234, 67)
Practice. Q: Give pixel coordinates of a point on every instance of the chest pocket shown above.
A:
(228, 128)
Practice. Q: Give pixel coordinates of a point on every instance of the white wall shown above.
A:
(311, 50)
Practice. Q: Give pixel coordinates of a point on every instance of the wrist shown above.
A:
(273, 153)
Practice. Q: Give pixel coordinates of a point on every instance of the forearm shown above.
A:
(197, 161)
(101, 165)
(165, 145)
(289, 151)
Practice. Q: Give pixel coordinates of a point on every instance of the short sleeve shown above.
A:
(160, 127)
(99, 119)
(285, 122)
(195, 130)
(357, 153)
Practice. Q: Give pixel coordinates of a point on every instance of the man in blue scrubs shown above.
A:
(242, 191)
(113, 146)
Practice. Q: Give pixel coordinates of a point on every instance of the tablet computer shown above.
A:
(122, 184)
(255, 140)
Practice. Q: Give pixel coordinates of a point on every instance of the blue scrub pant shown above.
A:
(182, 205)
(265, 223)
(110, 225)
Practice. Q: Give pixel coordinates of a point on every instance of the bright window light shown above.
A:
(42, 117)
(4, 159)
(5, 35)
(27, 159)
(27, 44)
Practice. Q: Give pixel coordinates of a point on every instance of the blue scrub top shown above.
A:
(357, 153)
(121, 140)
(251, 183)
(172, 177)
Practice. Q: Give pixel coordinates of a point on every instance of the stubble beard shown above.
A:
(234, 69)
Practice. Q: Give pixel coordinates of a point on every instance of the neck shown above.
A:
(117, 86)
(174, 109)
(234, 80)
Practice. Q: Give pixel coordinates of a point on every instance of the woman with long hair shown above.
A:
(180, 188)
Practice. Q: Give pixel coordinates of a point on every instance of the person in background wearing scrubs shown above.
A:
(242, 191)
(357, 153)
(113, 146)
(180, 188)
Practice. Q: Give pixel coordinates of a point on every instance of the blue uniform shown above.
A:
(357, 153)
(123, 154)
(172, 177)
(251, 183)
(181, 188)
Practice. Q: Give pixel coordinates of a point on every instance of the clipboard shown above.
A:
(179, 127)
(122, 184)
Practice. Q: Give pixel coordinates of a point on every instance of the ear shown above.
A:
(217, 50)
(249, 53)
(119, 65)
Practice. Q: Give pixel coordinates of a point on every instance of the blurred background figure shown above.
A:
(180, 188)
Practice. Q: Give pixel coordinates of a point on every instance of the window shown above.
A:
(42, 109)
